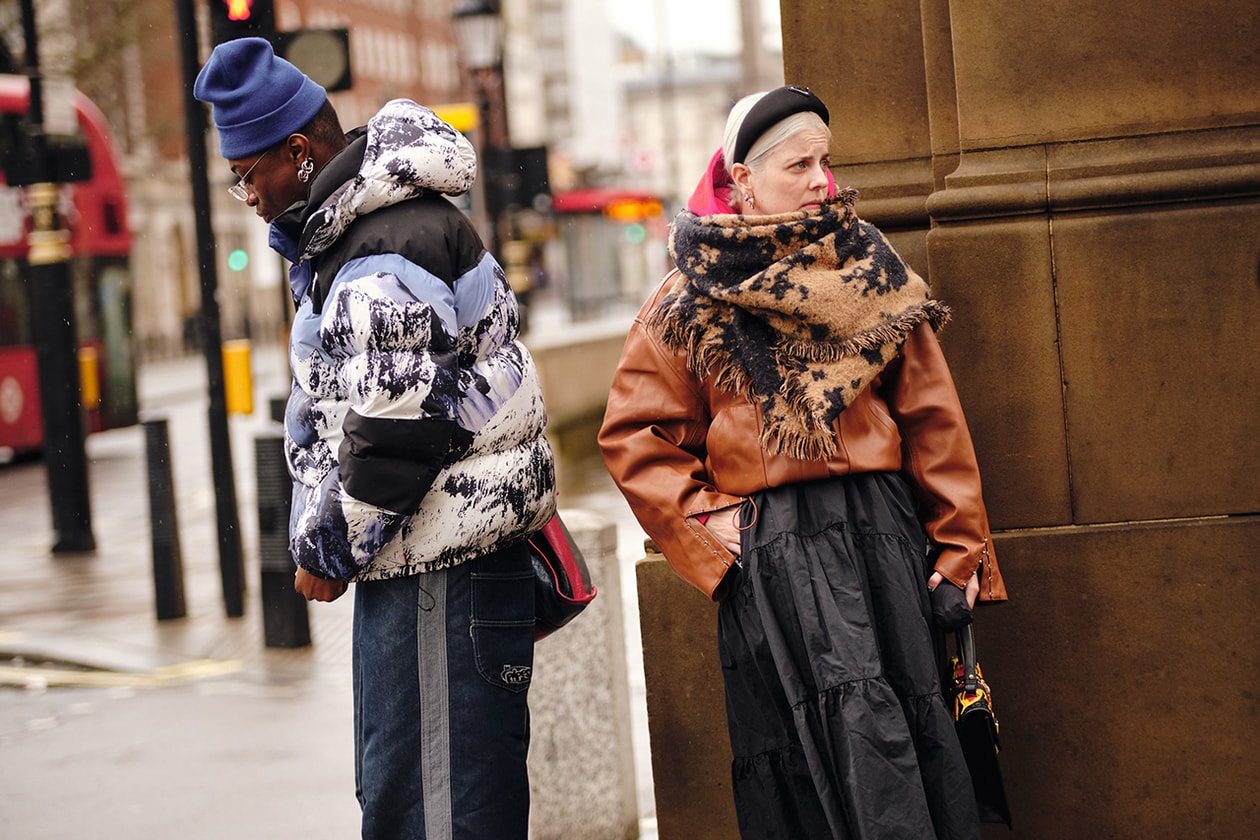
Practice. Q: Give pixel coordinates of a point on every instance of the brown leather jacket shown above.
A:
(678, 447)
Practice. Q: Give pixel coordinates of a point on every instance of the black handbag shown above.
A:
(562, 582)
(977, 729)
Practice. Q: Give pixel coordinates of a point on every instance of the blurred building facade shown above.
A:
(607, 112)
(623, 120)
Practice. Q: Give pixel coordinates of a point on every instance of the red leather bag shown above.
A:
(562, 582)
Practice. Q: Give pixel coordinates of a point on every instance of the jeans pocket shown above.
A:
(502, 628)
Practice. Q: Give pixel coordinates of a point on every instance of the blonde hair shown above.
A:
(770, 140)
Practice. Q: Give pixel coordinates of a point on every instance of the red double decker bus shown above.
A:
(95, 212)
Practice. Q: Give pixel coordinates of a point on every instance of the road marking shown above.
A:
(176, 674)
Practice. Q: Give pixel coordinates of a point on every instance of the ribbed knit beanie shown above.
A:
(259, 98)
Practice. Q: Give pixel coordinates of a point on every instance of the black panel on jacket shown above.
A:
(392, 463)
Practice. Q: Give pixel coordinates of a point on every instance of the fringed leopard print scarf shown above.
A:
(798, 312)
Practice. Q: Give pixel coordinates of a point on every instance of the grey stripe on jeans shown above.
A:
(435, 717)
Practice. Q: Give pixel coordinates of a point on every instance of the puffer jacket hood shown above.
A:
(408, 150)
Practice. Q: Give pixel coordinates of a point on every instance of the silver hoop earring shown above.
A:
(305, 170)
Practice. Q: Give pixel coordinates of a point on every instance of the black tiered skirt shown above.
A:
(837, 721)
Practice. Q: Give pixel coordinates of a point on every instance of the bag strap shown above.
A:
(966, 639)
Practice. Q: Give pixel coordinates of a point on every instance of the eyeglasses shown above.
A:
(240, 190)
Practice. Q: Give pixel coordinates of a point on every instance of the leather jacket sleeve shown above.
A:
(653, 442)
(939, 458)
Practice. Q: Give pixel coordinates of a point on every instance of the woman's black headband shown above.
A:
(776, 105)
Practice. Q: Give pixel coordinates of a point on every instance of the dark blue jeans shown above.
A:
(442, 666)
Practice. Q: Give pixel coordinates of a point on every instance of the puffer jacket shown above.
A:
(680, 448)
(414, 430)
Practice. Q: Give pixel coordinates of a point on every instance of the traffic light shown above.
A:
(322, 54)
(231, 19)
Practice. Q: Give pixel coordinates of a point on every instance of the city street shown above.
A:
(113, 724)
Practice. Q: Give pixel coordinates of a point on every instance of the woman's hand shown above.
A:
(317, 588)
(724, 526)
(972, 591)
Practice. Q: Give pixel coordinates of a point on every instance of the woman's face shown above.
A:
(792, 177)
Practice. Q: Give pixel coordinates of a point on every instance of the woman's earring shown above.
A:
(749, 200)
(305, 170)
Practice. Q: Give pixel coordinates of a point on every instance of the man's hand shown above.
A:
(317, 588)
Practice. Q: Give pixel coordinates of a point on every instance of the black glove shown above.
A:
(730, 581)
(949, 607)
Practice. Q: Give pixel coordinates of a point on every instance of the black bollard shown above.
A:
(168, 563)
(276, 406)
(285, 621)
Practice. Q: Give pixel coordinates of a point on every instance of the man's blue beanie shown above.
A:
(259, 98)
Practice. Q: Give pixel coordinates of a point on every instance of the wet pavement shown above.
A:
(114, 724)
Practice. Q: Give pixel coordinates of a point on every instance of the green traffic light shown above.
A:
(238, 259)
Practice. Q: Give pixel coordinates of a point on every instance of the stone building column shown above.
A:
(1093, 221)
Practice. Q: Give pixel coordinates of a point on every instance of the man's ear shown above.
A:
(298, 148)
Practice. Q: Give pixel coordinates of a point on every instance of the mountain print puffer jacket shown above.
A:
(414, 431)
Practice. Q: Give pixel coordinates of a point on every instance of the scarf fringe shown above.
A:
(811, 444)
(812, 448)
(889, 332)
(704, 358)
